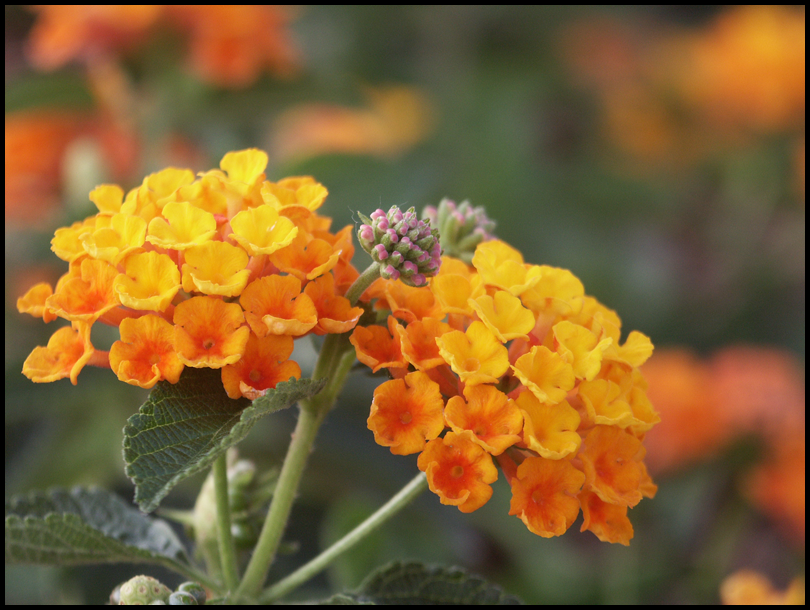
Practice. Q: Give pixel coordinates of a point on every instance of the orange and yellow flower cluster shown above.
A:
(502, 361)
(222, 270)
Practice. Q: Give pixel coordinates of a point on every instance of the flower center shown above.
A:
(472, 364)
(255, 375)
(537, 497)
(456, 471)
(154, 359)
(405, 417)
(208, 344)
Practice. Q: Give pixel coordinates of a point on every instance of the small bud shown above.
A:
(461, 227)
(405, 247)
(195, 589)
(143, 590)
(181, 598)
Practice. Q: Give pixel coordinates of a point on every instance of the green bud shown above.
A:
(195, 589)
(181, 598)
(143, 590)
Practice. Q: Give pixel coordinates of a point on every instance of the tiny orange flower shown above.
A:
(274, 305)
(409, 303)
(377, 347)
(418, 342)
(335, 313)
(493, 419)
(608, 521)
(209, 332)
(68, 350)
(263, 366)
(459, 471)
(544, 495)
(406, 413)
(33, 302)
(145, 354)
(304, 259)
(611, 461)
(87, 295)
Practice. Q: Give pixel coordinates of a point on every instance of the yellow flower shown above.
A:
(545, 373)
(215, 268)
(580, 348)
(262, 231)
(149, 282)
(185, 226)
(502, 266)
(114, 241)
(108, 198)
(145, 354)
(476, 356)
(549, 429)
(504, 315)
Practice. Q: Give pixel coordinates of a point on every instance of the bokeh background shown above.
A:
(658, 153)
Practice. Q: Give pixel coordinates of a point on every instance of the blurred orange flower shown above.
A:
(230, 46)
(395, 119)
(751, 588)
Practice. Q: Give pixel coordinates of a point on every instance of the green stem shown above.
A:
(270, 537)
(334, 362)
(227, 551)
(383, 514)
(363, 281)
(191, 573)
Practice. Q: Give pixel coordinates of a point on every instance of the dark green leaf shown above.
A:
(416, 583)
(182, 428)
(81, 526)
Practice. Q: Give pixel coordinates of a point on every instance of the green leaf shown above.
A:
(182, 428)
(416, 583)
(82, 526)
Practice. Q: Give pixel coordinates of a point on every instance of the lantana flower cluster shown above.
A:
(222, 270)
(502, 362)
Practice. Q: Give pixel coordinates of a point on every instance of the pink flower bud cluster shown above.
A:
(405, 247)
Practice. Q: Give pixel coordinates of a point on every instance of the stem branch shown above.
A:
(311, 568)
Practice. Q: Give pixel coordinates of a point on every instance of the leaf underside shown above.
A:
(82, 526)
(183, 428)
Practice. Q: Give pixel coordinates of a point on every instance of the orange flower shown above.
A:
(492, 418)
(304, 259)
(263, 366)
(335, 313)
(409, 303)
(209, 332)
(86, 295)
(406, 413)
(68, 350)
(750, 588)
(544, 495)
(418, 342)
(145, 354)
(33, 302)
(459, 471)
(377, 347)
(608, 521)
(611, 459)
(275, 305)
